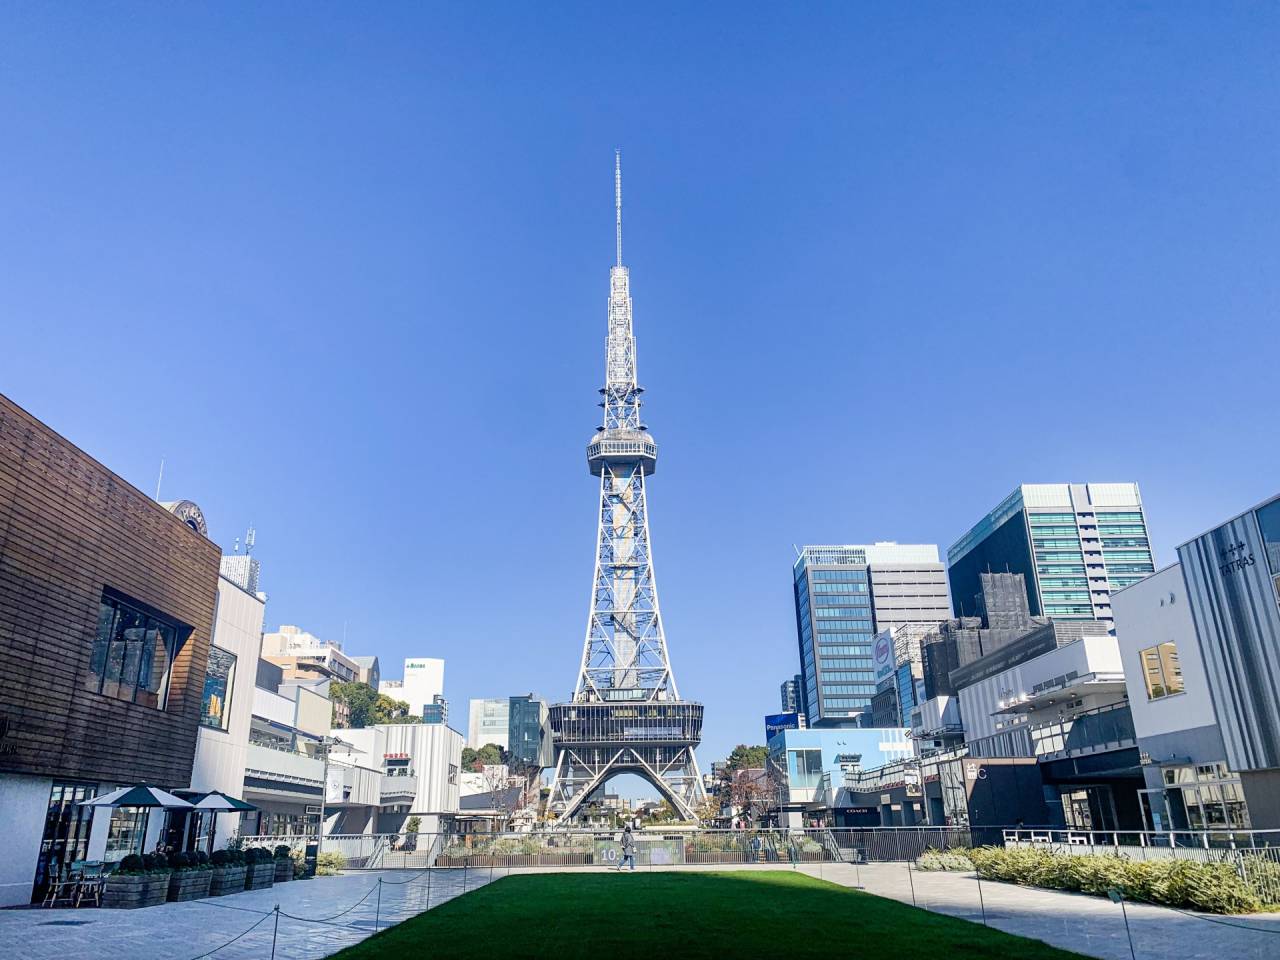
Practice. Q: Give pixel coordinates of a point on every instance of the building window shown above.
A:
(1161, 671)
(218, 681)
(133, 652)
(804, 768)
(1269, 526)
(125, 834)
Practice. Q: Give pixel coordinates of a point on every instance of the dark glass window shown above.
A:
(1269, 527)
(133, 651)
(218, 680)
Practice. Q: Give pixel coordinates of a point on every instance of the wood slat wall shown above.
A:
(68, 528)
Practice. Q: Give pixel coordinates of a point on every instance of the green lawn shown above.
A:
(672, 916)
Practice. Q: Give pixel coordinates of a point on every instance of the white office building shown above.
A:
(222, 746)
(489, 722)
(423, 682)
(1189, 783)
(418, 768)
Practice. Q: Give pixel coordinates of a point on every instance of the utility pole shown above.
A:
(326, 745)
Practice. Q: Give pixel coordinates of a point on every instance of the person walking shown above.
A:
(628, 850)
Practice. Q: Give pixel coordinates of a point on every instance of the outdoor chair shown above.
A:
(93, 878)
(64, 886)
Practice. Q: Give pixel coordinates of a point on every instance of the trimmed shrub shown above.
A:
(202, 858)
(932, 859)
(220, 858)
(1210, 887)
(180, 861)
(155, 861)
(132, 864)
(330, 864)
(282, 851)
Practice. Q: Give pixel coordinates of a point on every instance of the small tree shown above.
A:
(751, 792)
(487, 756)
(744, 757)
(366, 707)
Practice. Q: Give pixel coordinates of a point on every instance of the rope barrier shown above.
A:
(1178, 910)
(400, 883)
(336, 915)
(327, 921)
(255, 926)
(1224, 923)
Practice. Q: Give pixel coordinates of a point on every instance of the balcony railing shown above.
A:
(1093, 731)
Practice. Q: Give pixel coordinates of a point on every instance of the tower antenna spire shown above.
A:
(617, 197)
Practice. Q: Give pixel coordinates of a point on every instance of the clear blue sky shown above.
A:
(345, 267)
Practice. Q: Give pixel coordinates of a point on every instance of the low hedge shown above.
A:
(330, 864)
(1210, 887)
(950, 860)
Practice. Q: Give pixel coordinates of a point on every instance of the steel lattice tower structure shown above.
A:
(626, 715)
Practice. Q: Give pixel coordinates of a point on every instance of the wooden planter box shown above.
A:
(260, 875)
(284, 870)
(157, 889)
(189, 885)
(226, 880)
(125, 893)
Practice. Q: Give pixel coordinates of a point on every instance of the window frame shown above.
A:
(225, 715)
(1151, 665)
(155, 625)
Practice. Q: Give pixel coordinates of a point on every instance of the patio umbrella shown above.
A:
(215, 802)
(139, 796)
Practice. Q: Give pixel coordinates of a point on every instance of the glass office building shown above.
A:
(843, 595)
(529, 732)
(1074, 543)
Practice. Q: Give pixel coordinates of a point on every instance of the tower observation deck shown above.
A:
(626, 715)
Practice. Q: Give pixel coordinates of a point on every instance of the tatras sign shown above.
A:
(1235, 558)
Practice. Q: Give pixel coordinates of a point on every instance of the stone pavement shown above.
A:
(184, 931)
(1093, 926)
(337, 916)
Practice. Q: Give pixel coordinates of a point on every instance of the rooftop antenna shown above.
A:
(617, 197)
(236, 548)
(161, 477)
(250, 538)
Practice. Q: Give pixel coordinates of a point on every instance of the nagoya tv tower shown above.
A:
(626, 715)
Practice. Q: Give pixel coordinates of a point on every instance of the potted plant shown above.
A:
(126, 888)
(228, 872)
(190, 878)
(260, 868)
(284, 863)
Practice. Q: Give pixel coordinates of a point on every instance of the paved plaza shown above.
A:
(184, 931)
(333, 917)
(1093, 926)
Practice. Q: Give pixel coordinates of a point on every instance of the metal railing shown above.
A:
(654, 847)
(1070, 840)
